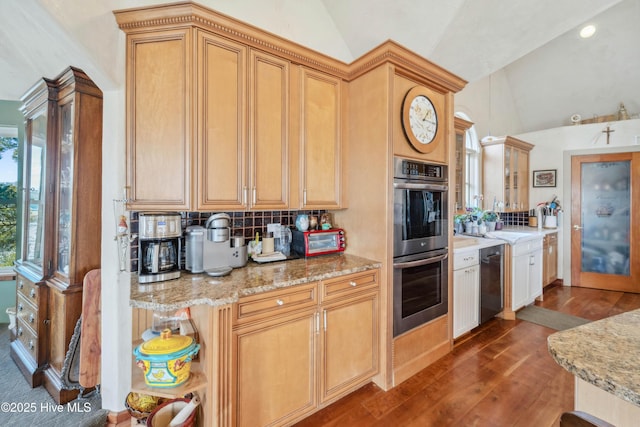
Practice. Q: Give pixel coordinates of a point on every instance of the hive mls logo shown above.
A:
(76, 406)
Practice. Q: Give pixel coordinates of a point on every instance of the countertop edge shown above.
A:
(578, 365)
(217, 292)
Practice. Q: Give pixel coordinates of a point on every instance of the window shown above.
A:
(8, 196)
(472, 165)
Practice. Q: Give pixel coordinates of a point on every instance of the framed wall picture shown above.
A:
(544, 178)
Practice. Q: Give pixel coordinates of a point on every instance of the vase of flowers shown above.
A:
(490, 218)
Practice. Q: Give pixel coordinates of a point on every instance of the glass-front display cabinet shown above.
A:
(61, 227)
(29, 348)
(505, 180)
(461, 126)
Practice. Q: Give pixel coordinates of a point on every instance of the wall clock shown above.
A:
(419, 119)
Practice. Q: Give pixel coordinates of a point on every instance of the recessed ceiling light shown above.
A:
(587, 31)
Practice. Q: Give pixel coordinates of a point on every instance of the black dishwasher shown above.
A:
(491, 282)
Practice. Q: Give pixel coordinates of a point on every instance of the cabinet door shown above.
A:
(466, 299)
(523, 180)
(275, 367)
(269, 132)
(535, 275)
(222, 149)
(321, 141)
(552, 259)
(159, 86)
(37, 205)
(519, 281)
(349, 345)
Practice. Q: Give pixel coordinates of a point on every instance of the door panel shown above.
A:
(605, 190)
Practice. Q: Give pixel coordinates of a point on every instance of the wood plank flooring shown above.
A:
(500, 374)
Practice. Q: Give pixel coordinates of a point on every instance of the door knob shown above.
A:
(577, 227)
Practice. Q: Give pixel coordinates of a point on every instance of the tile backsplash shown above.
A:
(242, 224)
(515, 218)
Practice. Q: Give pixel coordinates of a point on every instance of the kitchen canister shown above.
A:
(302, 222)
(166, 360)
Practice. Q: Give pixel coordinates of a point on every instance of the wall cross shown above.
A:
(608, 132)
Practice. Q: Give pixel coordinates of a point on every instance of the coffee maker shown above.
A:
(159, 246)
(220, 253)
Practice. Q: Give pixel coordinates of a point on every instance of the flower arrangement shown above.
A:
(490, 216)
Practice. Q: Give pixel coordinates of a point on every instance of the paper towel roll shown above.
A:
(267, 245)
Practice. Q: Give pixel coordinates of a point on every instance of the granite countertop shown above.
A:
(604, 353)
(194, 289)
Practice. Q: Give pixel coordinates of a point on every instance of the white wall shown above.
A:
(489, 105)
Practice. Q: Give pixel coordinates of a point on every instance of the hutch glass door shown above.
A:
(65, 183)
(35, 190)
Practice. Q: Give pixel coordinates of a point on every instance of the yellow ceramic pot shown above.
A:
(166, 360)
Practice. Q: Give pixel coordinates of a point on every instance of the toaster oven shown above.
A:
(318, 242)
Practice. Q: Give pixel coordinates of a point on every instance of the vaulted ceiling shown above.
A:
(551, 72)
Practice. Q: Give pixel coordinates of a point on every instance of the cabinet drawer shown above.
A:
(28, 338)
(343, 286)
(466, 259)
(27, 313)
(274, 303)
(527, 246)
(29, 290)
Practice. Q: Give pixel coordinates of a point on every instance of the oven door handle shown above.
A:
(420, 262)
(419, 186)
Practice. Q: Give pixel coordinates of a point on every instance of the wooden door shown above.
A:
(321, 141)
(222, 152)
(605, 192)
(269, 132)
(275, 367)
(159, 120)
(349, 345)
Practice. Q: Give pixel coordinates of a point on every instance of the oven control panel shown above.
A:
(412, 169)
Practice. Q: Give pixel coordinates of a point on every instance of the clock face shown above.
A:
(420, 119)
(423, 120)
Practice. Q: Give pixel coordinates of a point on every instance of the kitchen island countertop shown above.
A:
(603, 353)
(195, 289)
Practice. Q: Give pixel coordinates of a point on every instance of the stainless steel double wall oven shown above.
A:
(420, 238)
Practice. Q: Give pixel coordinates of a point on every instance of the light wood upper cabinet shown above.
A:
(221, 124)
(242, 162)
(159, 84)
(268, 132)
(506, 173)
(321, 141)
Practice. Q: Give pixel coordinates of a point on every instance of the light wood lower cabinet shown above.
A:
(549, 258)
(295, 352)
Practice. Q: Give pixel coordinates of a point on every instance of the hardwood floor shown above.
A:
(500, 374)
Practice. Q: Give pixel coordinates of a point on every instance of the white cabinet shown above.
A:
(526, 272)
(466, 292)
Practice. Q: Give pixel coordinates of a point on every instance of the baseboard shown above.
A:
(119, 419)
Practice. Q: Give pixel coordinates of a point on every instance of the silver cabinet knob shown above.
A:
(279, 302)
(354, 284)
